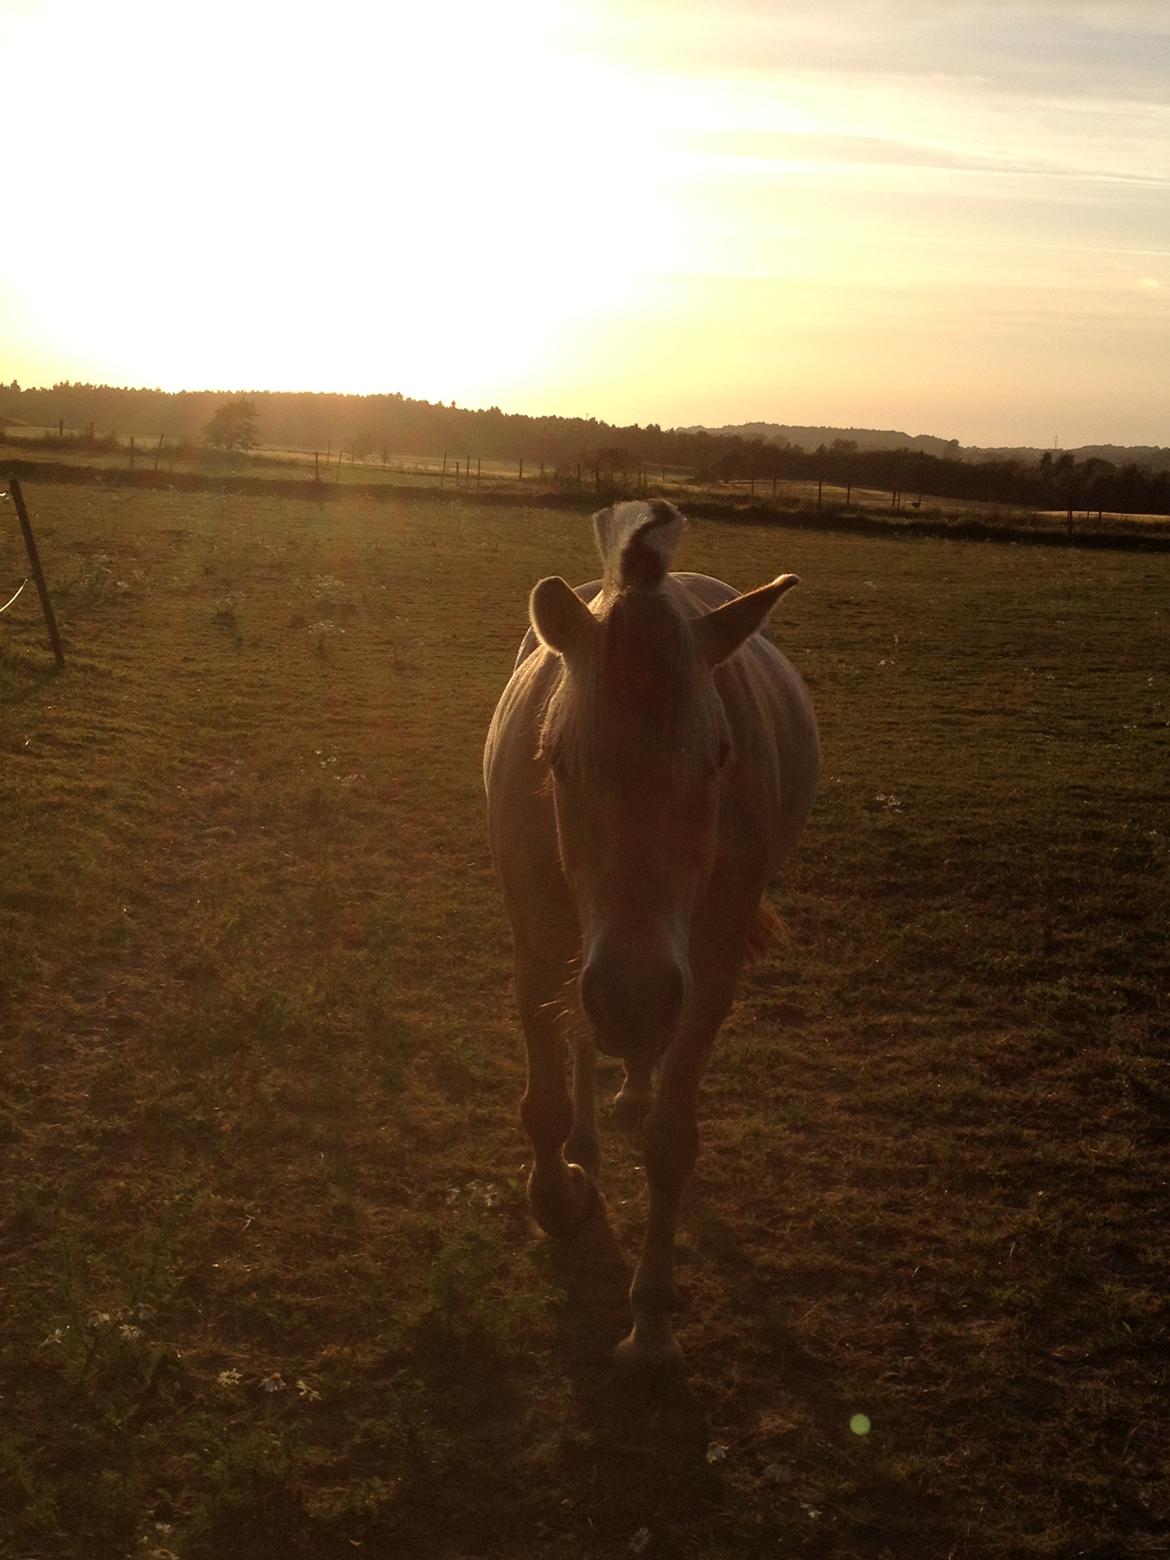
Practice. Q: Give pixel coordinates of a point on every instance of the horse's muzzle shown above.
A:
(634, 1009)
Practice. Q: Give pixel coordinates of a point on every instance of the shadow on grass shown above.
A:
(643, 1462)
(22, 679)
(634, 1456)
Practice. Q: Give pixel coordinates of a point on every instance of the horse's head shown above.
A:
(637, 744)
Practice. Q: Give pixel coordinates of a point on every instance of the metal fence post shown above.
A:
(38, 573)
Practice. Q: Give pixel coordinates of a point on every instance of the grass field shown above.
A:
(270, 1284)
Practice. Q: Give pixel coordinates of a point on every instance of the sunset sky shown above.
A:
(943, 216)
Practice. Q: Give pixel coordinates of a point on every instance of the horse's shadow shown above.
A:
(641, 1436)
(590, 1270)
(651, 1441)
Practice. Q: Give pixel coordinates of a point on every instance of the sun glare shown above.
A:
(402, 197)
(633, 210)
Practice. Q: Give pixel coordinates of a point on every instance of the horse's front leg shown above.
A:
(560, 1193)
(671, 1144)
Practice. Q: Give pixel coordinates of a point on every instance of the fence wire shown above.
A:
(16, 594)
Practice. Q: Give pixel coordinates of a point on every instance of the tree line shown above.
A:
(395, 425)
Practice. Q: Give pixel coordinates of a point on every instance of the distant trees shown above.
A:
(1104, 477)
(232, 426)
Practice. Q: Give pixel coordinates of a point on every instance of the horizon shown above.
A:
(1059, 445)
(931, 222)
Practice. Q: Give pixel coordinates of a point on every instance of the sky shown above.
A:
(940, 216)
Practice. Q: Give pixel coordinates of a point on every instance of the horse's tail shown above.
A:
(766, 932)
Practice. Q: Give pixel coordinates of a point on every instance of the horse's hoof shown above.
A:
(655, 1355)
(562, 1216)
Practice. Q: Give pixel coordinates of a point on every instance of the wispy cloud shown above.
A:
(1081, 50)
(796, 147)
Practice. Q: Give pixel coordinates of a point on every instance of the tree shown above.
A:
(613, 462)
(233, 426)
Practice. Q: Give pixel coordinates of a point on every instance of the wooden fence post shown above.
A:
(38, 573)
(158, 449)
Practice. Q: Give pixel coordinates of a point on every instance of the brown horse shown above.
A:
(649, 767)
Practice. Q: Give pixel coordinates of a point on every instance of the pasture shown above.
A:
(271, 1286)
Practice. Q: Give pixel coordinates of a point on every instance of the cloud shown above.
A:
(785, 146)
(1085, 50)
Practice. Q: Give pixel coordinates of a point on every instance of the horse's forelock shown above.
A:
(637, 542)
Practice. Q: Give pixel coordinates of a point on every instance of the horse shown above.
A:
(649, 767)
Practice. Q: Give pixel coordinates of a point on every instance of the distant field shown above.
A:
(462, 472)
(271, 1287)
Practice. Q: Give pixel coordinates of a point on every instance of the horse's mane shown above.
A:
(636, 698)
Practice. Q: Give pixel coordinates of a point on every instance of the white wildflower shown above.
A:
(229, 1378)
(640, 1540)
(716, 1452)
(274, 1383)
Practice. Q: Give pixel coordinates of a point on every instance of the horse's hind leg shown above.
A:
(582, 1147)
(632, 1102)
(561, 1194)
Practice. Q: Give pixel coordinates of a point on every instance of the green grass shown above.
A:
(271, 1287)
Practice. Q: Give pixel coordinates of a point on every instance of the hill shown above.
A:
(810, 438)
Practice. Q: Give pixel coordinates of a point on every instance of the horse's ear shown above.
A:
(561, 619)
(720, 633)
